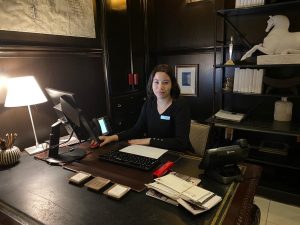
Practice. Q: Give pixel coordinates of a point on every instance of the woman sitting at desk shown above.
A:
(164, 121)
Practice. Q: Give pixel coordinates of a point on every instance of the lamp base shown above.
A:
(36, 149)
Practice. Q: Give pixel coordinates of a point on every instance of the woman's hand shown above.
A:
(143, 141)
(107, 139)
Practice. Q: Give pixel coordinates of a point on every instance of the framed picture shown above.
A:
(48, 23)
(186, 76)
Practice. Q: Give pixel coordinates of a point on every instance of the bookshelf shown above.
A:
(258, 125)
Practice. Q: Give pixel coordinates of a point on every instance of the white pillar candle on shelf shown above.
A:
(283, 110)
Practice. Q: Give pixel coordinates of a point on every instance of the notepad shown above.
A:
(146, 151)
(226, 115)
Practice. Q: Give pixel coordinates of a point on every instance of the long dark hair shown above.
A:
(175, 90)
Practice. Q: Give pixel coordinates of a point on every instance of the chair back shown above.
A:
(199, 134)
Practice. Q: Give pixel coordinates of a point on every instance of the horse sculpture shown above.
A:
(279, 40)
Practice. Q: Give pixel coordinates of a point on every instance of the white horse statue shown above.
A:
(279, 40)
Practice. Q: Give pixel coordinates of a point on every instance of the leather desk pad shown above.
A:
(131, 177)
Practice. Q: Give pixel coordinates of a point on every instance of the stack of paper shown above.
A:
(226, 115)
(193, 198)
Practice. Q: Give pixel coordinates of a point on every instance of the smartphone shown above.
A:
(103, 125)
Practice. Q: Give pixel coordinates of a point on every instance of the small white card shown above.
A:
(79, 177)
(117, 191)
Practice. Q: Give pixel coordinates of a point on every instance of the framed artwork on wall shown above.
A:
(52, 23)
(186, 76)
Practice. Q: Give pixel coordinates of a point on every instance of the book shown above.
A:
(227, 115)
(171, 188)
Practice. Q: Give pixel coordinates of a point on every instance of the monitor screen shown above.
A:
(67, 108)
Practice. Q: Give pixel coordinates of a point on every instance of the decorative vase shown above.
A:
(9, 156)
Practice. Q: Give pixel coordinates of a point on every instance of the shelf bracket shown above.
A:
(241, 36)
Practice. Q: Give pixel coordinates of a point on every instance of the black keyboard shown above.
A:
(127, 159)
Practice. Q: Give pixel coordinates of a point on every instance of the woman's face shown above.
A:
(161, 85)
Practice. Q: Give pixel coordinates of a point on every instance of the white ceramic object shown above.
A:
(9, 156)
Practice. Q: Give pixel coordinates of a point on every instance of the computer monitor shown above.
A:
(71, 116)
(55, 98)
(221, 163)
(75, 116)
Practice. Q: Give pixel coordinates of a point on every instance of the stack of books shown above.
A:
(248, 80)
(174, 189)
(248, 3)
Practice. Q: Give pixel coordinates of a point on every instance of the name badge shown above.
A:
(163, 117)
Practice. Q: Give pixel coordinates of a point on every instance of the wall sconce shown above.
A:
(25, 91)
(117, 5)
(192, 1)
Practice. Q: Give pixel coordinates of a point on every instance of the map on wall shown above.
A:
(57, 17)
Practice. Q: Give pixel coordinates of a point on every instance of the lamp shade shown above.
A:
(23, 91)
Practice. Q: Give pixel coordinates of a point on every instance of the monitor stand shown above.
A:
(71, 155)
(64, 157)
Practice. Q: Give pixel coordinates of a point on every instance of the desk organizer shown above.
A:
(9, 156)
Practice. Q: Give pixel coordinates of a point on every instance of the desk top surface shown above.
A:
(42, 192)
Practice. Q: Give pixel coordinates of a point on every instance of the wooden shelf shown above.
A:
(259, 9)
(261, 95)
(256, 66)
(288, 162)
(263, 125)
(184, 51)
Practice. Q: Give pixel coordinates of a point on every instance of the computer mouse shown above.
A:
(94, 144)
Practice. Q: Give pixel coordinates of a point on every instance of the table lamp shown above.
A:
(25, 91)
(3, 80)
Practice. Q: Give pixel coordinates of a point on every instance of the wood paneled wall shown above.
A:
(184, 34)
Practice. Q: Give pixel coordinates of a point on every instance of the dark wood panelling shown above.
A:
(126, 46)
(180, 25)
(184, 34)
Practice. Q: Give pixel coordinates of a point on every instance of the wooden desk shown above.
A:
(36, 192)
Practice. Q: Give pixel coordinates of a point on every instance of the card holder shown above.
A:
(117, 191)
(97, 183)
(79, 177)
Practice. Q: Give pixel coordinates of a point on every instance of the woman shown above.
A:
(164, 121)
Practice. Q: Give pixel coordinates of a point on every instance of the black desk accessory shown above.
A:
(131, 160)
(53, 155)
(221, 163)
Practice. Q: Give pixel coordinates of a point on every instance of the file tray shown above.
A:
(133, 178)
